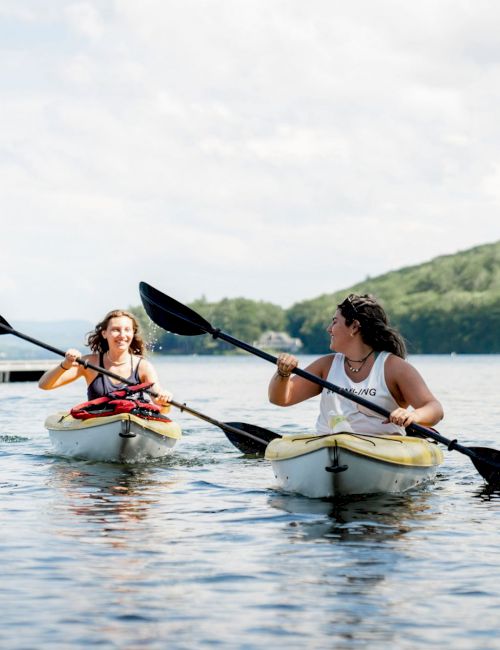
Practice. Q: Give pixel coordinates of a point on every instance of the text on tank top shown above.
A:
(338, 413)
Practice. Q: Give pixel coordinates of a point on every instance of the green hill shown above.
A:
(450, 304)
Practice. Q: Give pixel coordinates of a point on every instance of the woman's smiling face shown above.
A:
(339, 332)
(120, 332)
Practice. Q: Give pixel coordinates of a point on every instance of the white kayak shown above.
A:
(343, 463)
(117, 438)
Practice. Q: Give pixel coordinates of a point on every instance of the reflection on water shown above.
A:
(487, 493)
(374, 518)
(114, 498)
(357, 547)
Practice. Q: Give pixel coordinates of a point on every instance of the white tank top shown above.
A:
(337, 413)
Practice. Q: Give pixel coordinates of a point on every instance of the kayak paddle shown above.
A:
(248, 438)
(177, 318)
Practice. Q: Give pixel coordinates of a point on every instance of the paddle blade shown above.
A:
(4, 322)
(171, 315)
(251, 440)
(487, 463)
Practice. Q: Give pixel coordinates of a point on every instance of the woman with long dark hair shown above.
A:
(369, 360)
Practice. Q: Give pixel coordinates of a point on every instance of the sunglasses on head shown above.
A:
(347, 307)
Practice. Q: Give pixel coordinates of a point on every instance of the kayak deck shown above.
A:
(403, 450)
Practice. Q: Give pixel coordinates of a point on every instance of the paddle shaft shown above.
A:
(103, 371)
(222, 425)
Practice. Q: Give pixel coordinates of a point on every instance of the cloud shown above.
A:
(85, 19)
(274, 150)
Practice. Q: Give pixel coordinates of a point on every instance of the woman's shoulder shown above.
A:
(142, 365)
(322, 364)
(389, 359)
(398, 368)
(93, 357)
(393, 359)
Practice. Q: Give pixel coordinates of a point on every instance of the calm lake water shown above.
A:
(202, 550)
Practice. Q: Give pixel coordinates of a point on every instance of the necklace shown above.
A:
(116, 363)
(361, 361)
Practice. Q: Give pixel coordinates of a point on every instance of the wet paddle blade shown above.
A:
(252, 440)
(4, 322)
(487, 463)
(171, 315)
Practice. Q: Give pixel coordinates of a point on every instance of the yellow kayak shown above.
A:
(346, 463)
(117, 438)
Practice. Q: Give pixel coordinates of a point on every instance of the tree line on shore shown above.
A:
(450, 304)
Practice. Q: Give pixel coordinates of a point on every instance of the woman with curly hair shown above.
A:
(116, 345)
(369, 361)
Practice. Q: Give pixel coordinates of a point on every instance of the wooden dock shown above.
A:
(24, 370)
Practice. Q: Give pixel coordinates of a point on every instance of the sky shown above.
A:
(270, 149)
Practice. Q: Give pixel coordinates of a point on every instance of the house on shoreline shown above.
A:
(279, 341)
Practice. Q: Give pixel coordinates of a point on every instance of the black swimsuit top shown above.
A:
(102, 384)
